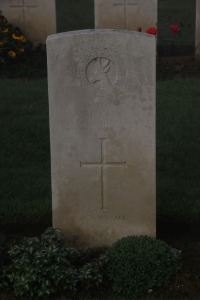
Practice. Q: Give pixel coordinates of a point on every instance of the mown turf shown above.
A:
(178, 148)
(24, 153)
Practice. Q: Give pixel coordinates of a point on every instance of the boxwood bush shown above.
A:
(140, 264)
(44, 266)
(41, 267)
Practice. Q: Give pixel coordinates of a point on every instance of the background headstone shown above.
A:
(198, 29)
(125, 14)
(36, 18)
(102, 131)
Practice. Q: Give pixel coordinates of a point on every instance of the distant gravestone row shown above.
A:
(125, 14)
(36, 18)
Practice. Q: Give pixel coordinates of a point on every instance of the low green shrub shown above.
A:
(140, 264)
(4, 262)
(40, 267)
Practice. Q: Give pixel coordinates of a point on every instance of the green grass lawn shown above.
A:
(178, 148)
(25, 193)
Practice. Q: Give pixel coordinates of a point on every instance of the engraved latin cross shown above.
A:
(125, 4)
(102, 165)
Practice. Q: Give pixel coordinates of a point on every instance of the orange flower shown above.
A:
(21, 50)
(15, 37)
(152, 30)
(1, 43)
(5, 30)
(12, 54)
(23, 39)
(18, 37)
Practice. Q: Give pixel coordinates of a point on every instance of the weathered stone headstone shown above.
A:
(125, 14)
(36, 18)
(102, 131)
(198, 29)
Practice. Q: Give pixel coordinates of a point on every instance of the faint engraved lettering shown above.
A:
(102, 164)
(102, 218)
(99, 115)
(24, 3)
(17, 3)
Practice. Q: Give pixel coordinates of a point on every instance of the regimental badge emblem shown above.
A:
(101, 70)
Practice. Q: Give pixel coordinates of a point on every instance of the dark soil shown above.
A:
(184, 66)
(185, 237)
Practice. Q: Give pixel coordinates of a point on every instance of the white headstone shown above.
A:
(36, 18)
(102, 131)
(125, 14)
(198, 29)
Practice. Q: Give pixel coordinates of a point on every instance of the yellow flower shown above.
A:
(19, 38)
(1, 43)
(15, 37)
(5, 30)
(12, 54)
(23, 39)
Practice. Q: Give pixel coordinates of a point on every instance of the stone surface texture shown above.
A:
(102, 129)
(125, 14)
(36, 18)
(198, 29)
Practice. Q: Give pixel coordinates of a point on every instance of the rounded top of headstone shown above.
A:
(98, 31)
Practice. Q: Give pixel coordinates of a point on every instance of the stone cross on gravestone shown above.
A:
(103, 164)
(125, 4)
(125, 14)
(23, 4)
